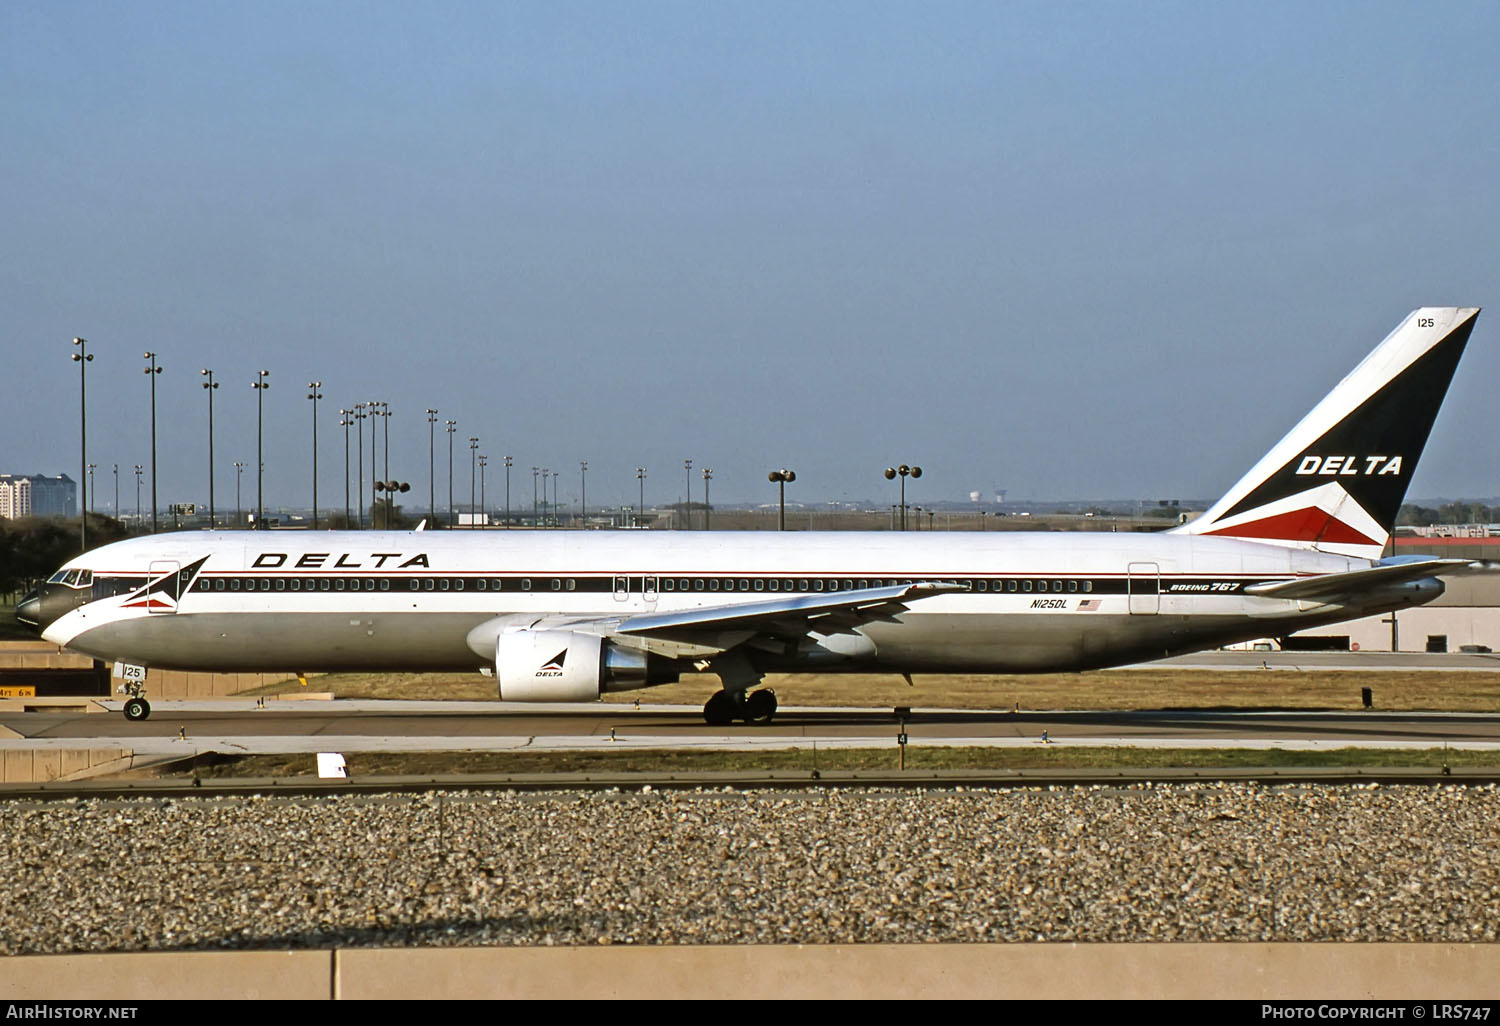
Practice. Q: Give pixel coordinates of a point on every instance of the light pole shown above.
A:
(359, 424)
(385, 444)
(260, 384)
(377, 409)
(473, 469)
(583, 513)
(315, 395)
(556, 506)
(82, 357)
(344, 421)
(687, 495)
(781, 478)
(210, 385)
(904, 471)
(115, 509)
(508, 463)
(534, 506)
(138, 469)
(708, 475)
(431, 466)
(239, 470)
(483, 505)
(93, 491)
(152, 371)
(450, 426)
(640, 475)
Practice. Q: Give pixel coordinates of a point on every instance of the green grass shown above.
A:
(917, 758)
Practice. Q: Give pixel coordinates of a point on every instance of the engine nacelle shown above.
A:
(566, 666)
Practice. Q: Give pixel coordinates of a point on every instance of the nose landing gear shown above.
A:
(136, 706)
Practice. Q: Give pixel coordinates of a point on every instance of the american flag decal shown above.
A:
(1088, 605)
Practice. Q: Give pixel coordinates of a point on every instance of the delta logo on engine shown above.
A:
(553, 667)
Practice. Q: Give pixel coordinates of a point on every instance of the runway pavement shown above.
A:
(182, 728)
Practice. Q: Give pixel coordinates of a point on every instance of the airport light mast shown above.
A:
(260, 384)
(152, 371)
(210, 385)
(904, 471)
(82, 358)
(782, 477)
(450, 426)
(431, 465)
(315, 395)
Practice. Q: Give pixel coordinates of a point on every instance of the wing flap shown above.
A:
(838, 612)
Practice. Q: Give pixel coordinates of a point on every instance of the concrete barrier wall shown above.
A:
(159, 683)
(32, 655)
(28, 766)
(1347, 971)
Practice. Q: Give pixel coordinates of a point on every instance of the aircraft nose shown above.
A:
(29, 609)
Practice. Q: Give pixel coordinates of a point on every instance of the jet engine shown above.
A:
(566, 666)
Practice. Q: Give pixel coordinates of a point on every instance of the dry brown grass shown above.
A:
(1104, 689)
(918, 757)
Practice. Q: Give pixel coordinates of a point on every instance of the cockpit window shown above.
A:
(71, 577)
(85, 578)
(57, 578)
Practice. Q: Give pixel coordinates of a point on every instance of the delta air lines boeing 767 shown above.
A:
(568, 615)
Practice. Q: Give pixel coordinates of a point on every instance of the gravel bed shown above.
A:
(1228, 862)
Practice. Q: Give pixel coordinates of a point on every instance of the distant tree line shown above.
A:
(1453, 513)
(31, 549)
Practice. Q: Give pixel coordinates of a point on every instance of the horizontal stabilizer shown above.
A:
(1355, 582)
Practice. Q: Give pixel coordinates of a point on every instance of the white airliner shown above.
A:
(567, 615)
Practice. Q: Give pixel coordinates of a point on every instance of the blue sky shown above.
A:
(1069, 250)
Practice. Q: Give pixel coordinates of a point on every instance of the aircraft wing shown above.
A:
(1333, 586)
(789, 618)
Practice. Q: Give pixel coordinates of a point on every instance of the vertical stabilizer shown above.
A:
(1336, 481)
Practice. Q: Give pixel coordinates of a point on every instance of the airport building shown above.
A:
(1465, 618)
(37, 495)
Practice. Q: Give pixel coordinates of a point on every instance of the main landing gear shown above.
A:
(727, 706)
(136, 706)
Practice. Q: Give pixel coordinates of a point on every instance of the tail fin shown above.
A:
(1335, 483)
